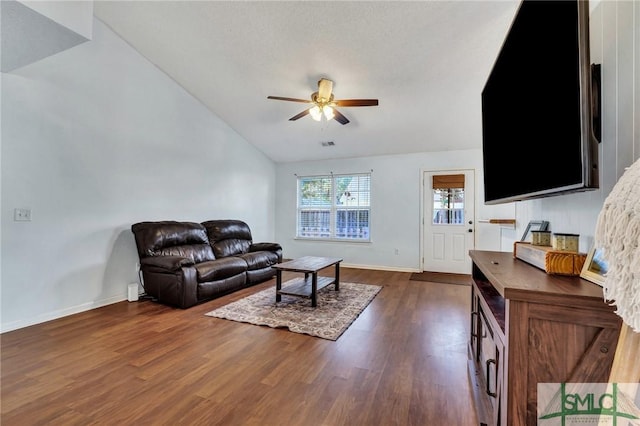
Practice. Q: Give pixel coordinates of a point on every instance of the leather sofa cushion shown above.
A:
(228, 237)
(259, 259)
(171, 238)
(219, 269)
(230, 247)
(166, 263)
(196, 252)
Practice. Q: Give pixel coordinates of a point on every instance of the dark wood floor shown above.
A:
(402, 362)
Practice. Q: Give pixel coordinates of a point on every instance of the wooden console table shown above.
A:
(309, 286)
(530, 327)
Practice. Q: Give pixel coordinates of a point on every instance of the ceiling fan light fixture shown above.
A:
(328, 112)
(316, 113)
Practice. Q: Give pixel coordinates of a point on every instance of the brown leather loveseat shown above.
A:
(186, 263)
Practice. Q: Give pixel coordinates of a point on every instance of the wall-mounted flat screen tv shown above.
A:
(537, 106)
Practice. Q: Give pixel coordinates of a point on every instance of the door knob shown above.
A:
(470, 230)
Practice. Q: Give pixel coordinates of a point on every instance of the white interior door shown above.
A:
(449, 221)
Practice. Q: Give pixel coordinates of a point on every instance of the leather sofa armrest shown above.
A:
(265, 247)
(171, 263)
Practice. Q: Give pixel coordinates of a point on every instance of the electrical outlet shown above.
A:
(397, 252)
(22, 215)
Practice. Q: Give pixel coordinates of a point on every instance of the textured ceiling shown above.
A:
(426, 62)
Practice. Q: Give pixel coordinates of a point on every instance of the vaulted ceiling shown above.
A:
(426, 62)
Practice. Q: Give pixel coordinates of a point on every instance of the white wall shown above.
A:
(615, 44)
(395, 207)
(95, 139)
(29, 34)
(76, 15)
(395, 220)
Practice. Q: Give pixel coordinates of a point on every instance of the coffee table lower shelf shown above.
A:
(303, 287)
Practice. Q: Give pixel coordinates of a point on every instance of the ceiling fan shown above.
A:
(324, 103)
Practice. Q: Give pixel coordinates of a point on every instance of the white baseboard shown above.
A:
(379, 268)
(49, 316)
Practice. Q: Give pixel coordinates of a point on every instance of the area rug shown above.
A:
(334, 313)
(441, 277)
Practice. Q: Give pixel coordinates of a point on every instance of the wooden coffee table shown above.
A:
(311, 283)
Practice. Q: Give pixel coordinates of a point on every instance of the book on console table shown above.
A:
(549, 260)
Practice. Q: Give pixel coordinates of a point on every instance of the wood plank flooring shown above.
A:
(402, 362)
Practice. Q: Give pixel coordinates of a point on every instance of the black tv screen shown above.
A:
(537, 137)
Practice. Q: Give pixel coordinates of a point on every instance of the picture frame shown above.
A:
(594, 268)
(535, 225)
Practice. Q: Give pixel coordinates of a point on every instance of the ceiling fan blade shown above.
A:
(280, 98)
(302, 114)
(356, 102)
(337, 115)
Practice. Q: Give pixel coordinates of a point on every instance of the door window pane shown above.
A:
(448, 206)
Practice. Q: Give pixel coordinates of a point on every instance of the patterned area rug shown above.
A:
(335, 312)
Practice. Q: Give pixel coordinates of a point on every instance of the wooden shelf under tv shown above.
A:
(503, 221)
(529, 327)
(509, 222)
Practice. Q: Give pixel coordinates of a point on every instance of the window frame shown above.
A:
(333, 209)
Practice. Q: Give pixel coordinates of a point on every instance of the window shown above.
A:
(334, 207)
(448, 199)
